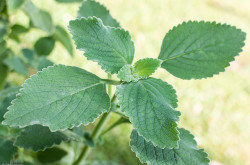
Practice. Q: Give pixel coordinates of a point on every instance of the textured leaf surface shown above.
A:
(149, 104)
(126, 73)
(112, 48)
(16, 64)
(43, 62)
(202, 50)
(186, 154)
(59, 97)
(44, 46)
(51, 155)
(7, 150)
(93, 8)
(63, 37)
(37, 138)
(40, 18)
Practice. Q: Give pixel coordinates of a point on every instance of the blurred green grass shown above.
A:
(215, 110)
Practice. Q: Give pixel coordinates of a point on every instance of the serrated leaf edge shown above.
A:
(148, 140)
(46, 125)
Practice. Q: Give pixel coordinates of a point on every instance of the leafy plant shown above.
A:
(59, 99)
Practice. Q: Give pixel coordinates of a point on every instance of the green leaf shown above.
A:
(51, 155)
(149, 104)
(37, 138)
(40, 18)
(63, 37)
(14, 5)
(93, 8)
(18, 29)
(44, 46)
(7, 150)
(16, 64)
(3, 74)
(202, 50)
(141, 69)
(187, 153)
(59, 97)
(29, 55)
(43, 62)
(111, 47)
(6, 96)
(3, 29)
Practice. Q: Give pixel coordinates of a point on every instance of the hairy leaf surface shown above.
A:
(111, 47)
(93, 8)
(149, 104)
(59, 97)
(43, 62)
(37, 138)
(200, 49)
(187, 153)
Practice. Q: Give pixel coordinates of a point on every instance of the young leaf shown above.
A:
(202, 50)
(51, 155)
(7, 150)
(112, 48)
(44, 46)
(14, 5)
(63, 37)
(93, 8)
(43, 62)
(39, 18)
(187, 153)
(146, 67)
(38, 138)
(16, 64)
(59, 97)
(149, 104)
(126, 73)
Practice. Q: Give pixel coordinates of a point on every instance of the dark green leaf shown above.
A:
(39, 18)
(51, 155)
(202, 50)
(29, 55)
(66, 97)
(44, 46)
(186, 154)
(149, 104)
(16, 64)
(63, 37)
(37, 138)
(112, 48)
(93, 8)
(7, 150)
(18, 29)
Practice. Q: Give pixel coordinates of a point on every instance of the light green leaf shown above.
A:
(40, 18)
(44, 46)
(43, 62)
(14, 5)
(37, 138)
(59, 97)
(141, 69)
(63, 37)
(112, 48)
(7, 150)
(146, 67)
(51, 155)
(149, 104)
(187, 153)
(202, 50)
(16, 64)
(93, 8)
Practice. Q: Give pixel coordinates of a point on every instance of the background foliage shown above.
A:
(216, 109)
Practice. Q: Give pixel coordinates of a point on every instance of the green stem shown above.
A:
(111, 82)
(97, 130)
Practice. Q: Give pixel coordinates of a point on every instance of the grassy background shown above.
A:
(215, 110)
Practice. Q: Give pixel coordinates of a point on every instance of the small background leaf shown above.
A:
(16, 64)
(51, 155)
(44, 46)
(7, 150)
